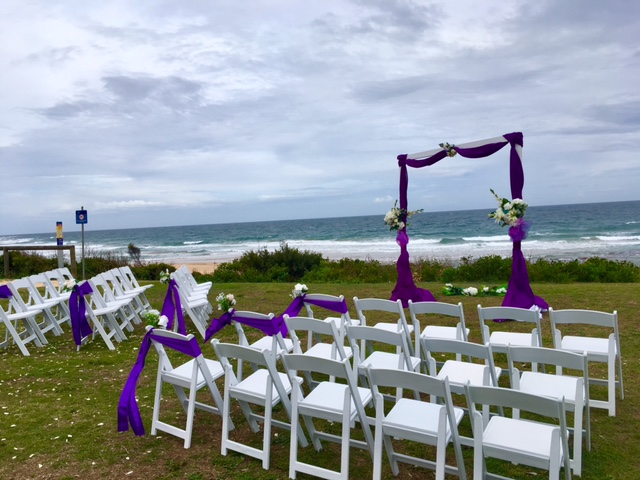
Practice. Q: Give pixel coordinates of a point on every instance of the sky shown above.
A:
(166, 113)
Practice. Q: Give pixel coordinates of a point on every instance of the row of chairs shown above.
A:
(344, 402)
(39, 304)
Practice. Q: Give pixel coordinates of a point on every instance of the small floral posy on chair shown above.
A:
(153, 318)
(299, 290)
(225, 302)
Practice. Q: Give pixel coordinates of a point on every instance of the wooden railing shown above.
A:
(7, 248)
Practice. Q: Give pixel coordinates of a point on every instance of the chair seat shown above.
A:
(391, 327)
(460, 373)
(513, 338)
(254, 388)
(593, 346)
(265, 343)
(327, 401)
(554, 386)
(182, 375)
(417, 417)
(436, 331)
(528, 438)
(324, 350)
(387, 360)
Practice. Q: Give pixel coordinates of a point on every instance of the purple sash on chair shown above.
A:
(5, 292)
(268, 328)
(78, 311)
(173, 308)
(128, 410)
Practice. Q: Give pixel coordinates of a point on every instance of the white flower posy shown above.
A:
(165, 276)
(153, 318)
(508, 212)
(68, 285)
(396, 217)
(225, 302)
(299, 290)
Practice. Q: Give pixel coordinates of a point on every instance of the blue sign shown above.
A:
(81, 216)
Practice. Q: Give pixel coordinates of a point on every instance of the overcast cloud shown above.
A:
(154, 113)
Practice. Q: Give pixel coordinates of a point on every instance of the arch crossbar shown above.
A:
(519, 292)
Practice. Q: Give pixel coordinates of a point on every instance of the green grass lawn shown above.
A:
(58, 407)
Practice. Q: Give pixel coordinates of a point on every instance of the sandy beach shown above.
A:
(198, 267)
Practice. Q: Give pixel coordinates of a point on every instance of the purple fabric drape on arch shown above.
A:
(519, 293)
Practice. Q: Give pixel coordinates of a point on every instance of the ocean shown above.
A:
(564, 232)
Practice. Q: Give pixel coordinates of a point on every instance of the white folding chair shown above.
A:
(340, 322)
(374, 351)
(20, 327)
(271, 343)
(128, 287)
(602, 350)
(112, 279)
(265, 387)
(559, 385)
(380, 308)
(194, 374)
(24, 300)
(318, 330)
(499, 338)
(331, 401)
(49, 298)
(437, 310)
(458, 372)
(417, 421)
(186, 274)
(121, 309)
(519, 441)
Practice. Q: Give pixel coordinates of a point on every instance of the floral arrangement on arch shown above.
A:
(397, 217)
(152, 317)
(299, 290)
(225, 302)
(509, 212)
(450, 289)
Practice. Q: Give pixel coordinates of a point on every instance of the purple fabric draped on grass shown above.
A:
(277, 325)
(78, 312)
(519, 293)
(5, 292)
(128, 410)
(172, 308)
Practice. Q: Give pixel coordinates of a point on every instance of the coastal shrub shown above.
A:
(23, 264)
(348, 270)
(430, 269)
(151, 271)
(285, 264)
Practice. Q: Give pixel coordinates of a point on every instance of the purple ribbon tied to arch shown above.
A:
(128, 409)
(78, 312)
(172, 308)
(519, 231)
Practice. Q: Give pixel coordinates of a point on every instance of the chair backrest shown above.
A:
(372, 305)
(20, 288)
(461, 349)
(439, 308)
(128, 273)
(315, 328)
(508, 313)
(547, 356)
(584, 317)
(370, 336)
(266, 317)
(506, 397)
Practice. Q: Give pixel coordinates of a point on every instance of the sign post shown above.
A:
(60, 242)
(81, 218)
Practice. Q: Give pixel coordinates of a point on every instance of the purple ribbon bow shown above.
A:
(78, 312)
(128, 410)
(173, 308)
(268, 328)
(519, 231)
(296, 306)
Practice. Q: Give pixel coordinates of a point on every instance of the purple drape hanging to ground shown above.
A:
(519, 293)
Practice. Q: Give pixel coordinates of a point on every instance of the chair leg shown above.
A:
(612, 386)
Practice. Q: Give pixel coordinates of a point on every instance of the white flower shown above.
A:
(163, 321)
(471, 291)
(485, 289)
(299, 290)
(69, 284)
(501, 290)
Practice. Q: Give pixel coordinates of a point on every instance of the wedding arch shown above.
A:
(519, 293)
